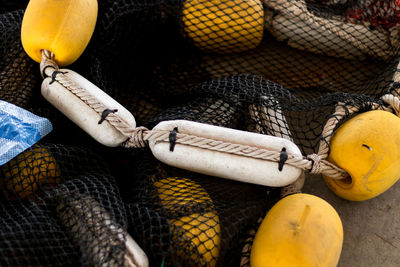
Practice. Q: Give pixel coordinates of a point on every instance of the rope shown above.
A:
(313, 163)
(136, 140)
(226, 147)
(140, 136)
(49, 66)
(320, 164)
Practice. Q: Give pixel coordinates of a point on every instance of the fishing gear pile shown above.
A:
(276, 83)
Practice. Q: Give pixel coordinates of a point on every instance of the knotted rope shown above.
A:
(140, 136)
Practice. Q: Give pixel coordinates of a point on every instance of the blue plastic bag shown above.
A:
(19, 130)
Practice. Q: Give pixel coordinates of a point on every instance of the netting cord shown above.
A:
(340, 28)
(140, 136)
(48, 67)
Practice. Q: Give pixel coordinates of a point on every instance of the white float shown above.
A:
(135, 256)
(81, 114)
(222, 164)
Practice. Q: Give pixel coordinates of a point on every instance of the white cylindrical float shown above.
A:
(82, 114)
(224, 164)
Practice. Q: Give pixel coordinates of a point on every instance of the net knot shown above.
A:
(316, 161)
(136, 139)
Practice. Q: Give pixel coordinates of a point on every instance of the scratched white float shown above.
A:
(225, 165)
(81, 114)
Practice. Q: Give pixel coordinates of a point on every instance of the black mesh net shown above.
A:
(274, 67)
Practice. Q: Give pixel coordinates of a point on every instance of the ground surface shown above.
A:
(371, 228)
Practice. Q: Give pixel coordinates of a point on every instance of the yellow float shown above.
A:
(224, 26)
(63, 27)
(300, 230)
(29, 170)
(201, 229)
(367, 146)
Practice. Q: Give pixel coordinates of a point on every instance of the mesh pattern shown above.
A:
(223, 26)
(16, 69)
(311, 28)
(271, 67)
(60, 205)
(192, 218)
(383, 14)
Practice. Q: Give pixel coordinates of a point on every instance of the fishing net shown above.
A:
(275, 67)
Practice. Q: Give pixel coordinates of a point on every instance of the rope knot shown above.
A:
(316, 161)
(319, 165)
(48, 64)
(136, 138)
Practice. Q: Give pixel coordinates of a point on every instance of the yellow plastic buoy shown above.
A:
(300, 230)
(367, 146)
(224, 26)
(29, 170)
(63, 27)
(201, 229)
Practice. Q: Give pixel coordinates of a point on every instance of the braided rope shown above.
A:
(138, 137)
(113, 118)
(48, 64)
(340, 113)
(313, 163)
(226, 147)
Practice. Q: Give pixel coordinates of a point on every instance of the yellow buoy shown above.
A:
(29, 170)
(63, 27)
(224, 26)
(201, 229)
(367, 146)
(300, 230)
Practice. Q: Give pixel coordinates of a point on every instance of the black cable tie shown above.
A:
(54, 74)
(44, 70)
(282, 158)
(105, 113)
(172, 139)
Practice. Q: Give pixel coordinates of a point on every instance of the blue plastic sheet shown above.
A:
(19, 130)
